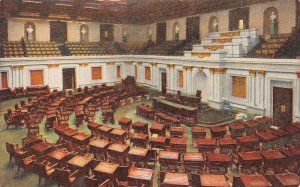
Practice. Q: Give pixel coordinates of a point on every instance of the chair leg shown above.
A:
(40, 179)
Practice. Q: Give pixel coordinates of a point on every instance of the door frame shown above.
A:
(74, 81)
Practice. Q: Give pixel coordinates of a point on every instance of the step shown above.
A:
(232, 49)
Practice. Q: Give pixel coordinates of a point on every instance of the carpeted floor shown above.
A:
(8, 173)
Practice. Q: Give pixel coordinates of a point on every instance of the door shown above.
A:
(58, 31)
(163, 82)
(282, 106)
(161, 31)
(106, 32)
(192, 28)
(239, 18)
(69, 80)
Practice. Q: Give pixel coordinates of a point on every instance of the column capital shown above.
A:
(15, 68)
(110, 63)
(53, 65)
(140, 63)
(188, 68)
(200, 69)
(128, 62)
(84, 64)
(171, 66)
(153, 64)
(261, 73)
(252, 73)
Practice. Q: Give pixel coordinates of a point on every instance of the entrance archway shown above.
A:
(200, 83)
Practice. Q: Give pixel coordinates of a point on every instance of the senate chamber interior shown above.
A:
(149, 93)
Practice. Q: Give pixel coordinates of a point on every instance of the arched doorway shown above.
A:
(176, 30)
(200, 83)
(213, 24)
(271, 21)
(29, 30)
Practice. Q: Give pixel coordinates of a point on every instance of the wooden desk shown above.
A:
(250, 159)
(139, 176)
(248, 143)
(139, 139)
(145, 111)
(266, 137)
(178, 144)
(227, 145)
(166, 119)
(68, 133)
(118, 151)
(177, 131)
(237, 128)
(125, 123)
(80, 162)
(140, 127)
(206, 145)
(255, 181)
(82, 138)
(158, 142)
(217, 161)
(168, 156)
(193, 162)
(93, 126)
(118, 135)
(138, 154)
(288, 180)
(106, 169)
(198, 132)
(104, 130)
(176, 179)
(218, 131)
(157, 128)
(31, 140)
(59, 155)
(271, 157)
(211, 180)
(60, 128)
(40, 148)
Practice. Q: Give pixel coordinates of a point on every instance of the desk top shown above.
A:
(291, 151)
(159, 139)
(178, 179)
(99, 143)
(175, 105)
(247, 139)
(40, 147)
(138, 151)
(140, 173)
(288, 179)
(117, 132)
(272, 154)
(193, 157)
(211, 180)
(125, 120)
(227, 141)
(106, 168)
(265, 136)
(216, 157)
(206, 142)
(139, 124)
(70, 132)
(157, 126)
(255, 181)
(198, 130)
(82, 136)
(105, 128)
(250, 156)
(169, 155)
(179, 141)
(237, 125)
(58, 154)
(121, 148)
(80, 161)
(218, 129)
(139, 136)
(177, 129)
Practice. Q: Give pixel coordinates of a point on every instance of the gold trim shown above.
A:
(201, 55)
(252, 73)
(171, 66)
(188, 68)
(15, 68)
(84, 64)
(222, 40)
(154, 64)
(21, 67)
(230, 34)
(140, 63)
(200, 69)
(110, 63)
(128, 62)
(218, 70)
(213, 47)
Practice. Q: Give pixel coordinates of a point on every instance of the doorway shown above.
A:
(161, 29)
(163, 82)
(106, 33)
(239, 19)
(69, 79)
(282, 106)
(58, 31)
(192, 28)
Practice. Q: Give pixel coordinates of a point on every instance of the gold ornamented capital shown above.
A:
(21, 67)
(84, 64)
(188, 68)
(252, 73)
(140, 63)
(15, 68)
(218, 70)
(261, 73)
(201, 55)
(171, 66)
(213, 47)
(128, 62)
(200, 69)
(110, 63)
(153, 64)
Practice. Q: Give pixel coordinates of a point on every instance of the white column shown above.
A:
(297, 97)
(154, 74)
(251, 87)
(140, 74)
(22, 76)
(170, 77)
(260, 89)
(211, 84)
(188, 79)
(15, 76)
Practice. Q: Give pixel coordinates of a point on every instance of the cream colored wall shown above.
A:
(16, 29)
(118, 29)
(153, 28)
(286, 10)
(74, 31)
(137, 33)
(182, 26)
(223, 19)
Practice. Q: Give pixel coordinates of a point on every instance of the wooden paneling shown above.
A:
(147, 73)
(4, 80)
(37, 77)
(180, 79)
(239, 87)
(96, 73)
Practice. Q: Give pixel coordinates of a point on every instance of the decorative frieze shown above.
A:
(218, 70)
(252, 73)
(201, 55)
